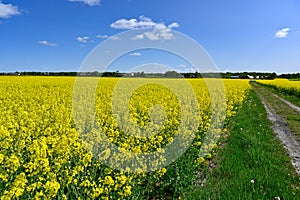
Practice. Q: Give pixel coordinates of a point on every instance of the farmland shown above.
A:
(43, 153)
(149, 100)
(284, 86)
(133, 138)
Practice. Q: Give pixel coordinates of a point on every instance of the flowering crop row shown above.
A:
(49, 151)
(283, 85)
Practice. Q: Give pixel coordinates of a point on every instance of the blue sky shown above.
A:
(57, 35)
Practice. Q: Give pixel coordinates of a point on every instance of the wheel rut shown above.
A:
(281, 129)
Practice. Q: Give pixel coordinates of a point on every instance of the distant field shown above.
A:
(290, 87)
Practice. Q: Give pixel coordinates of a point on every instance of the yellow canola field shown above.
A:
(284, 84)
(44, 154)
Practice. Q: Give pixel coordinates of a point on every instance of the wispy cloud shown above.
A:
(88, 2)
(8, 10)
(282, 33)
(185, 68)
(138, 37)
(161, 31)
(136, 54)
(46, 43)
(107, 37)
(83, 39)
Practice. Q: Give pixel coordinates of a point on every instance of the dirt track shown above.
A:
(281, 128)
(294, 107)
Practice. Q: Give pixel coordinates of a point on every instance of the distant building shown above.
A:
(17, 74)
(251, 77)
(234, 77)
(82, 74)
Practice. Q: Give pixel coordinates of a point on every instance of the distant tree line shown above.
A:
(290, 76)
(38, 73)
(246, 75)
(168, 74)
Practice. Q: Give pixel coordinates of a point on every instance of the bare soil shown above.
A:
(280, 126)
(294, 107)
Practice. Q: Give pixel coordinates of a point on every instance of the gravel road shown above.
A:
(280, 127)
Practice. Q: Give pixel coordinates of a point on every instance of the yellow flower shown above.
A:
(122, 179)
(1, 158)
(108, 180)
(200, 160)
(127, 191)
(163, 170)
(51, 188)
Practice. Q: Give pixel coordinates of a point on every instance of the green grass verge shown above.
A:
(252, 164)
(295, 79)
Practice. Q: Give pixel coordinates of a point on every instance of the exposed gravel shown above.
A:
(282, 131)
(296, 108)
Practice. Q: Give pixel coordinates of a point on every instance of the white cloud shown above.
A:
(88, 2)
(138, 37)
(173, 25)
(46, 43)
(107, 37)
(102, 36)
(143, 22)
(187, 68)
(83, 39)
(136, 54)
(153, 35)
(160, 32)
(8, 10)
(282, 33)
(191, 70)
(113, 37)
